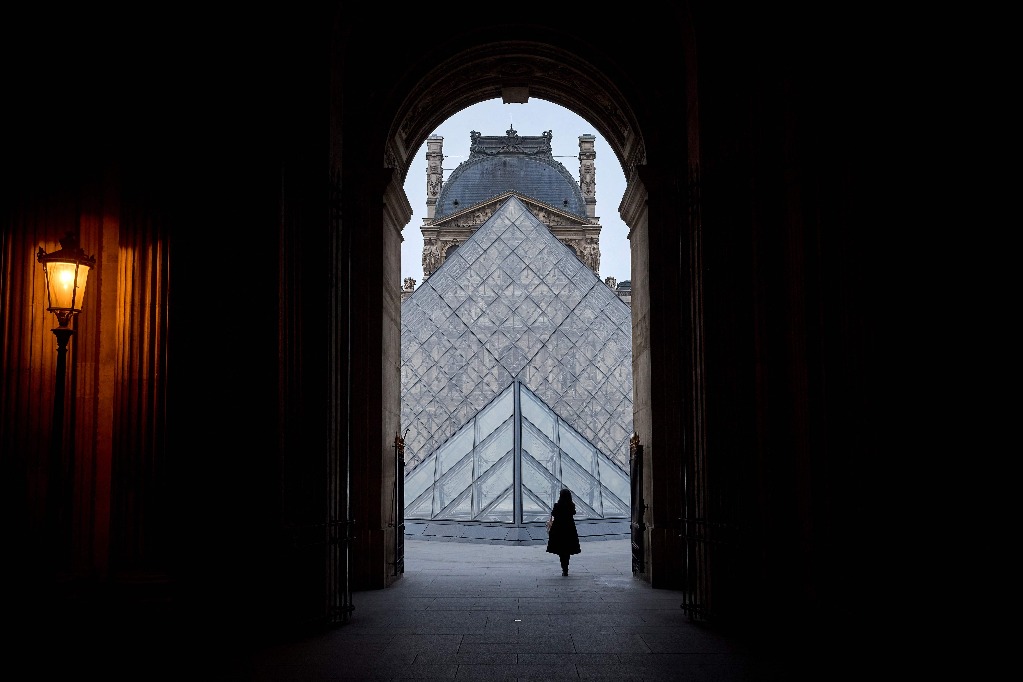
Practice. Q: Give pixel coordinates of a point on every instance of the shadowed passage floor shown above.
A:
(497, 612)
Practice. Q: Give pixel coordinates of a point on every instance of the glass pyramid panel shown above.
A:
(581, 452)
(493, 484)
(502, 510)
(493, 415)
(419, 479)
(494, 449)
(543, 451)
(534, 510)
(542, 485)
(454, 451)
(420, 508)
(451, 485)
(585, 488)
(459, 509)
(614, 508)
(614, 479)
(540, 417)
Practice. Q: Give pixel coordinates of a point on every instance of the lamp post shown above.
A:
(66, 272)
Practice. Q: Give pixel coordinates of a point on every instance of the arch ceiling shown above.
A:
(508, 70)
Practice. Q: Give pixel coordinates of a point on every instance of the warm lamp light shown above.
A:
(66, 271)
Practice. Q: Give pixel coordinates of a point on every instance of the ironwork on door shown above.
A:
(339, 536)
(398, 508)
(638, 507)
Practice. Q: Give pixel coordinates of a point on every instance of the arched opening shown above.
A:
(555, 327)
(492, 117)
(470, 77)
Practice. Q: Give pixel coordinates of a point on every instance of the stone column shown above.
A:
(434, 172)
(588, 173)
(396, 214)
(658, 364)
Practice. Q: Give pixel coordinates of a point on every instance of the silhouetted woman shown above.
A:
(563, 538)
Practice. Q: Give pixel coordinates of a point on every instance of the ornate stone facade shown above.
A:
(501, 166)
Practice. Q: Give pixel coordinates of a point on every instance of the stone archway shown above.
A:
(515, 72)
(518, 71)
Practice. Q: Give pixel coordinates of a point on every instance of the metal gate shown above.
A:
(638, 507)
(398, 508)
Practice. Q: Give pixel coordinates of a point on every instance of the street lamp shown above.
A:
(66, 272)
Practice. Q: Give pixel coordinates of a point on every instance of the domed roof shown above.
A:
(510, 163)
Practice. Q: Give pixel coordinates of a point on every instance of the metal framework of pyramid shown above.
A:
(516, 380)
(509, 464)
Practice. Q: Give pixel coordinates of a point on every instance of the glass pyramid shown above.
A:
(508, 464)
(516, 380)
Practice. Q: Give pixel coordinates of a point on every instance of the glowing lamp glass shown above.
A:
(67, 272)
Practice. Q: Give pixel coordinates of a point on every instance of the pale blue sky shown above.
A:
(533, 118)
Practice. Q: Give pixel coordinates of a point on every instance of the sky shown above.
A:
(533, 118)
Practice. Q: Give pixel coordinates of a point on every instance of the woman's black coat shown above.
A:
(563, 537)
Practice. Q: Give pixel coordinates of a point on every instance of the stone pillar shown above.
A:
(657, 368)
(588, 173)
(434, 172)
(397, 213)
